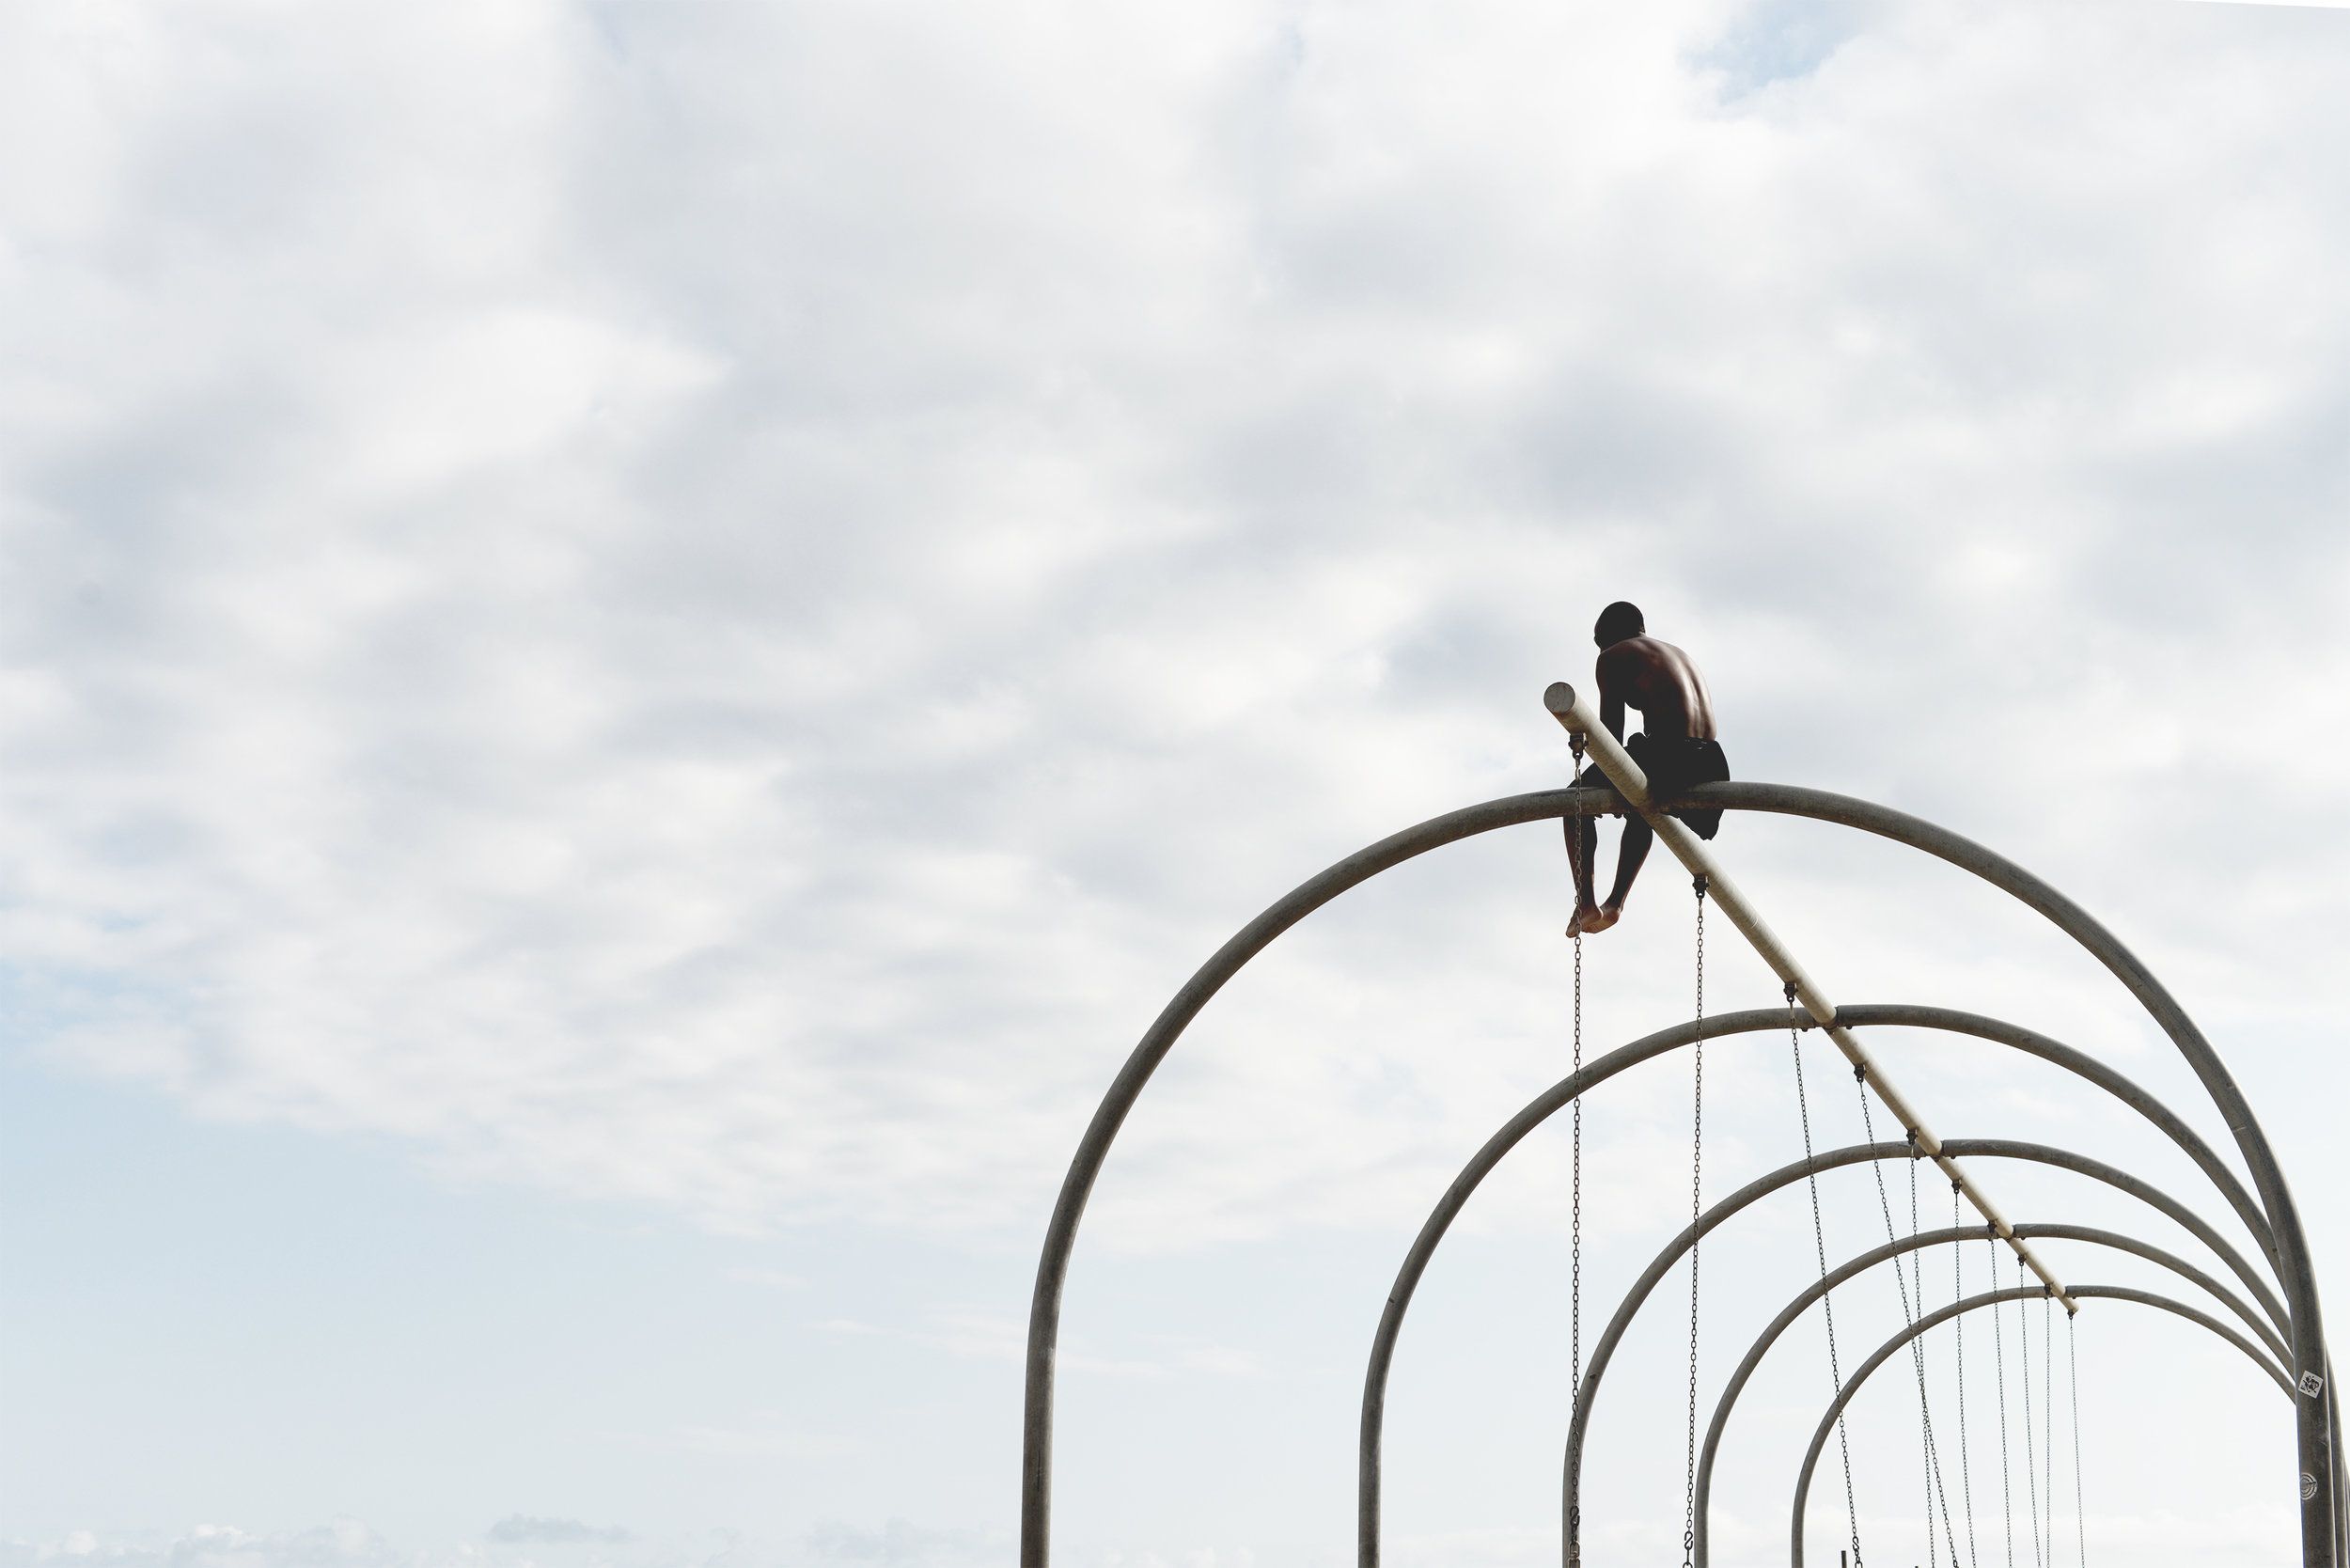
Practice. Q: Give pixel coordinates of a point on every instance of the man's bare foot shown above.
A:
(1587, 917)
(1604, 916)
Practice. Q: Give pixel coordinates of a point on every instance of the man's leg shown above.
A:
(1637, 836)
(1582, 850)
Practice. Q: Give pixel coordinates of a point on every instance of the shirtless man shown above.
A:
(1676, 749)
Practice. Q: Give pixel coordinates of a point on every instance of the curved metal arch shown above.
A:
(1604, 1349)
(1948, 1236)
(1370, 1441)
(2081, 1064)
(1126, 1088)
(1993, 1298)
(2313, 1412)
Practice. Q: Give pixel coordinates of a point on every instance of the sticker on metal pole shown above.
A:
(2312, 1385)
(2309, 1486)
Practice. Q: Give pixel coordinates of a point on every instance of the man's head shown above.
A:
(1618, 621)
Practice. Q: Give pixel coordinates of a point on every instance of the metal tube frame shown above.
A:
(1953, 1235)
(1994, 1298)
(1604, 1349)
(1559, 1095)
(2312, 1410)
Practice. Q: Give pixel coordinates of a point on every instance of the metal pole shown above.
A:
(1624, 774)
(1876, 1255)
(1993, 1298)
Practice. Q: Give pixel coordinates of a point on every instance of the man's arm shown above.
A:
(1610, 672)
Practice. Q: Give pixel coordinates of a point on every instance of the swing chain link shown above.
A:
(1958, 1328)
(1935, 1489)
(2032, 1459)
(1575, 1229)
(1697, 1172)
(1909, 1316)
(2047, 1411)
(1827, 1299)
(1999, 1359)
(2073, 1375)
(1575, 1333)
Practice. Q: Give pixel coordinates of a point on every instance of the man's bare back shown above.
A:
(1658, 679)
(1676, 748)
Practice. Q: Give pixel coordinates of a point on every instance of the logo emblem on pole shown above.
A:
(2312, 1385)
(2309, 1486)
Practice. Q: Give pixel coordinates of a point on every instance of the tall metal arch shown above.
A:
(1973, 1303)
(2311, 1408)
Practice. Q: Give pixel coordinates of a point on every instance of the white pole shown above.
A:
(1630, 782)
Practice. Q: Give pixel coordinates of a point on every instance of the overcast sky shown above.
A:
(638, 641)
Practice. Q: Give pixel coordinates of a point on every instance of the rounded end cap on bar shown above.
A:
(1560, 698)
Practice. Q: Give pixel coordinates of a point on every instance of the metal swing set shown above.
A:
(2279, 1327)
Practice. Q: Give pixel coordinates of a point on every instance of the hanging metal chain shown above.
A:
(1935, 1489)
(1999, 1363)
(1958, 1331)
(1575, 1231)
(1575, 1332)
(1909, 1317)
(1575, 1316)
(1819, 1239)
(2047, 1413)
(1697, 1190)
(2073, 1375)
(2031, 1462)
(1918, 1357)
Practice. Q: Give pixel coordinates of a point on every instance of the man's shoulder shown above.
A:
(1643, 649)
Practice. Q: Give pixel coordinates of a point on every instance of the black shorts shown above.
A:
(1672, 763)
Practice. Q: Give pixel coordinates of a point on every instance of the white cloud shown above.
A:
(715, 607)
(343, 1543)
(519, 1543)
(522, 1530)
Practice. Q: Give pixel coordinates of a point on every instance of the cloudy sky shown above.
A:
(636, 642)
